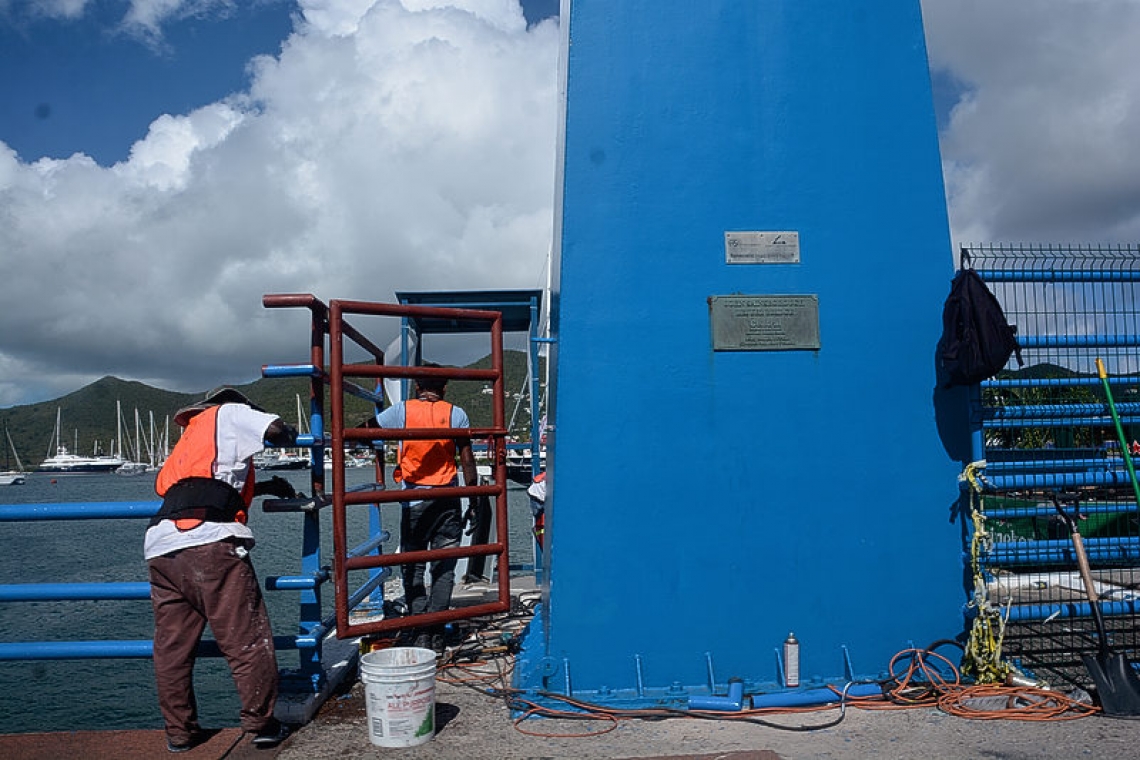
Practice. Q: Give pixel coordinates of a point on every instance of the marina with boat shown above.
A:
(66, 462)
(63, 462)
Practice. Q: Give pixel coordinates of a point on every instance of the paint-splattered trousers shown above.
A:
(216, 584)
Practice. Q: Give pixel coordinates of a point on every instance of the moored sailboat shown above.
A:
(134, 466)
(64, 462)
(10, 477)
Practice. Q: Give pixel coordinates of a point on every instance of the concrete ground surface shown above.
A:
(473, 726)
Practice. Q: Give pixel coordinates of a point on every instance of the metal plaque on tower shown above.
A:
(765, 323)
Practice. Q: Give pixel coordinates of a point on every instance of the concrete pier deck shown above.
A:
(471, 724)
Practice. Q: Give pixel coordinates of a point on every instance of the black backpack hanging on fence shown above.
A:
(976, 341)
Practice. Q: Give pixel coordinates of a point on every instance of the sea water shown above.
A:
(71, 695)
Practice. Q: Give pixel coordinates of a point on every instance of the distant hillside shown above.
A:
(88, 415)
(1042, 370)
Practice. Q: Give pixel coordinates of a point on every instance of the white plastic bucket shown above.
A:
(399, 693)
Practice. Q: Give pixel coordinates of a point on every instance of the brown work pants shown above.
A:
(212, 583)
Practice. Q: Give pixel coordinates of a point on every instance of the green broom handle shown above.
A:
(1119, 429)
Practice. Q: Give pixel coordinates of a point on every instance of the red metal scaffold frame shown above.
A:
(332, 321)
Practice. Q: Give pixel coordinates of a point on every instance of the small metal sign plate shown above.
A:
(762, 247)
(764, 323)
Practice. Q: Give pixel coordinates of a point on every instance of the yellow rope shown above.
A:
(982, 659)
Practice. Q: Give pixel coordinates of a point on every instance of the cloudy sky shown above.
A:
(164, 163)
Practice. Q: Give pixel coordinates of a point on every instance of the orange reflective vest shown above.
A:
(429, 462)
(186, 481)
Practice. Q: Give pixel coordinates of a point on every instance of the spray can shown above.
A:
(791, 661)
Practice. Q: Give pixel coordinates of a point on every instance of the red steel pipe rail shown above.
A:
(331, 321)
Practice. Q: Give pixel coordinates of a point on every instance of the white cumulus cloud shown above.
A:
(390, 146)
(410, 145)
(1041, 144)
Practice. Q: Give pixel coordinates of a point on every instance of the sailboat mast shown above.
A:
(12, 447)
(138, 437)
(302, 425)
(56, 441)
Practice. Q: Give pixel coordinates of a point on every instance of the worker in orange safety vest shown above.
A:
(426, 522)
(197, 550)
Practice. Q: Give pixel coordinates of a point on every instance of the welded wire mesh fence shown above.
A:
(1047, 434)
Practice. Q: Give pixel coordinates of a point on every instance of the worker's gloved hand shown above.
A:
(281, 434)
(277, 486)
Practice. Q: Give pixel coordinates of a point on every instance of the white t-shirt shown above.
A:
(395, 416)
(240, 435)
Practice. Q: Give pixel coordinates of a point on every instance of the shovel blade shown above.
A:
(1117, 685)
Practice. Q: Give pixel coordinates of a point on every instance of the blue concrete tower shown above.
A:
(751, 257)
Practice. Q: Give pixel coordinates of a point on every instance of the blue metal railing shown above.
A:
(1060, 552)
(1056, 422)
(1052, 481)
(309, 640)
(1046, 511)
(1022, 412)
(1078, 341)
(1070, 610)
(1054, 382)
(1059, 275)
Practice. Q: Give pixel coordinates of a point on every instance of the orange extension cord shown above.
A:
(922, 684)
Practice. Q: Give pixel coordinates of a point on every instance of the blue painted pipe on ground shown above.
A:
(808, 697)
(732, 703)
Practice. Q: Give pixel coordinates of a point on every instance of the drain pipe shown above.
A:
(734, 702)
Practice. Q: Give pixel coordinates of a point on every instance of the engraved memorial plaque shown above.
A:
(762, 247)
(764, 323)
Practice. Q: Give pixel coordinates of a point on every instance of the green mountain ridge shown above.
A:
(88, 416)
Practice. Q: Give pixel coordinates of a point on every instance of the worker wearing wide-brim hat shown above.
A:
(197, 550)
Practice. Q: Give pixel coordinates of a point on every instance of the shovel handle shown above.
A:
(1078, 548)
(1086, 573)
(1083, 565)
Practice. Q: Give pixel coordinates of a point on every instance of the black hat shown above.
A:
(216, 397)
